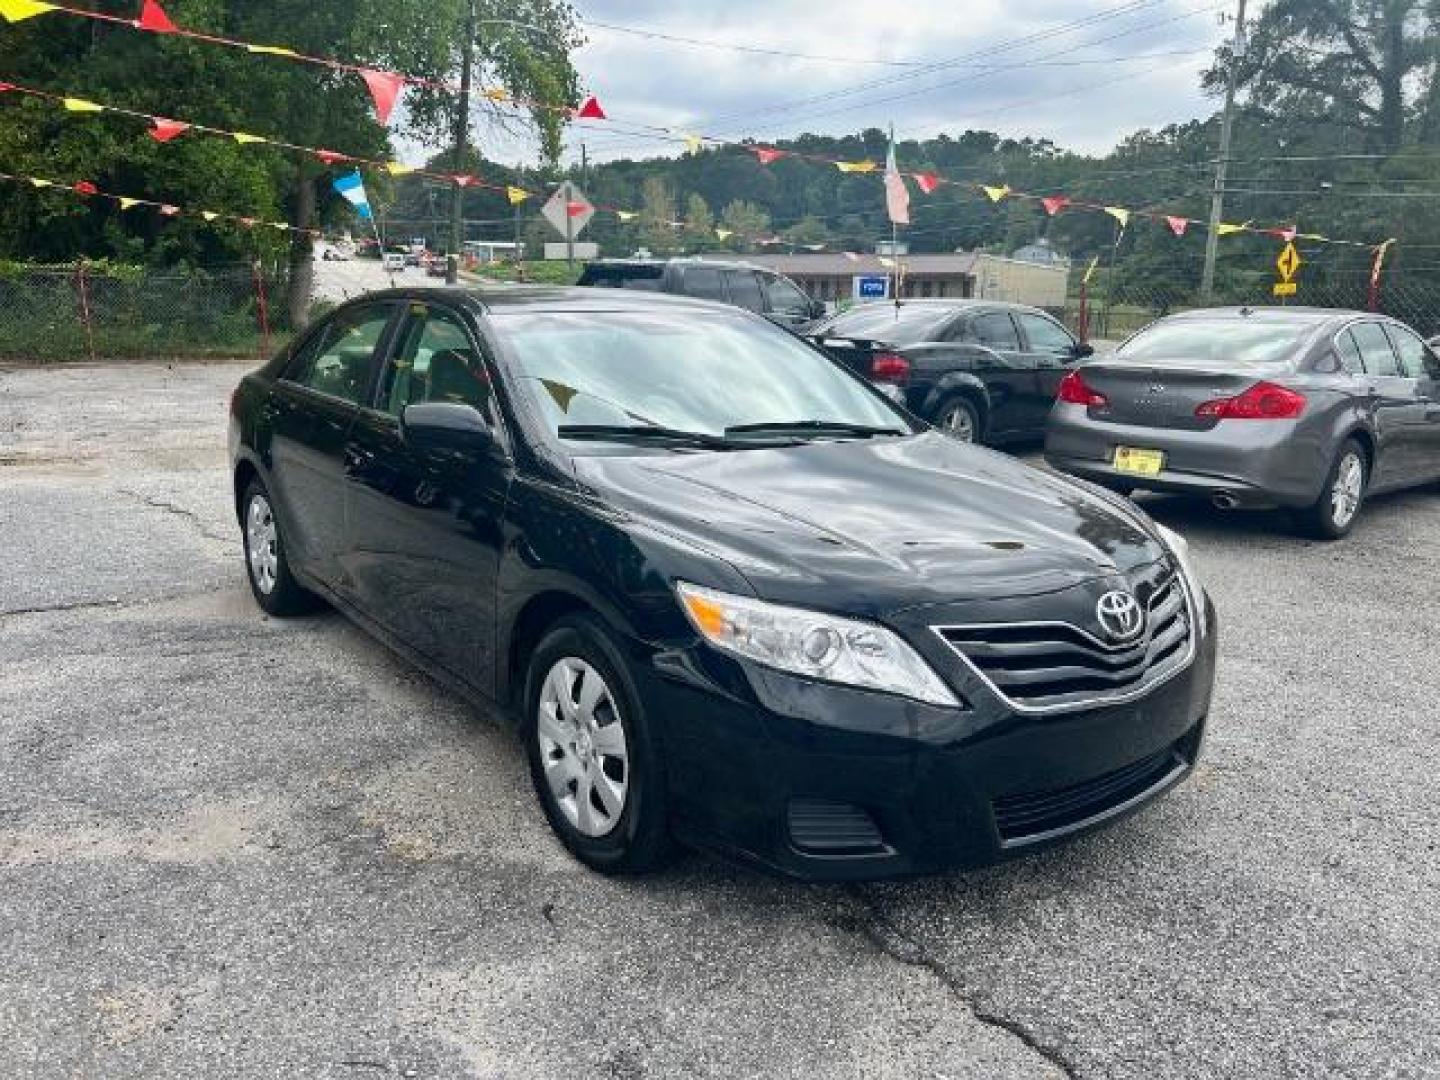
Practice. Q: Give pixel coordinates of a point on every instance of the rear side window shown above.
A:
(704, 283)
(1350, 359)
(994, 330)
(1375, 349)
(744, 289)
(336, 361)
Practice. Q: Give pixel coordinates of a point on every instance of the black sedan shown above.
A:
(730, 593)
(979, 370)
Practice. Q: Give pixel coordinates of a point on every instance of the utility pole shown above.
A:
(1227, 123)
(462, 138)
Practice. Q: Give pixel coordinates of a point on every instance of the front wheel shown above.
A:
(959, 419)
(596, 764)
(1334, 513)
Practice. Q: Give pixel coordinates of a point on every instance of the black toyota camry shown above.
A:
(730, 593)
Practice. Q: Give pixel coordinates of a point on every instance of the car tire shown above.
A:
(959, 418)
(266, 565)
(1334, 514)
(596, 762)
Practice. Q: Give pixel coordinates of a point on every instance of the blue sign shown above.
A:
(872, 288)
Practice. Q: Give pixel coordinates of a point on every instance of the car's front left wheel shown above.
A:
(595, 761)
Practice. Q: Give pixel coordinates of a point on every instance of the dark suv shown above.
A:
(750, 287)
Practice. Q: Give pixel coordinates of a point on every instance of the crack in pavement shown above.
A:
(77, 605)
(894, 944)
(179, 511)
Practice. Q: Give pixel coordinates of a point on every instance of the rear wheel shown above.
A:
(960, 419)
(1334, 513)
(266, 565)
(596, 765)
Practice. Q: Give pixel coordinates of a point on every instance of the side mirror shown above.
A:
(817, 309)
(1082, 349)
(444, 425)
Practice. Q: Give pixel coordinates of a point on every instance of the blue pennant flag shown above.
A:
(353, 188)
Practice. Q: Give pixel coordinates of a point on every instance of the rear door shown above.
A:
(1421, 366)
(1052, 350)
(309, 414)
(1399, 414)
(1007, 372)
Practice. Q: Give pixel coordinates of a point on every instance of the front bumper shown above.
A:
(787, 773)
(1255, 464)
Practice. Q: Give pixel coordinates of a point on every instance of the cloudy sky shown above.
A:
(1081, 72)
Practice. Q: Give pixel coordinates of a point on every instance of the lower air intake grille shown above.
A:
(832, 829)
(1035, 815)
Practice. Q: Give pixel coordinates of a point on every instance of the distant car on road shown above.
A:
(1307, 409)
(336, 253)
(753, 288)
(980, 370)
(393, 261)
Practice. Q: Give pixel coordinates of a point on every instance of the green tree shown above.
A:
(699, 224)
(657, 215)
(747, 221)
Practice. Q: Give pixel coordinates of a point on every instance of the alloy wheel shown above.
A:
(958, 423)
(583, 749)
(1347, 491)
(261, 544)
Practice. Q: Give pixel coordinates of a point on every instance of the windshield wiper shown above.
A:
(645, 433)
(818, 427)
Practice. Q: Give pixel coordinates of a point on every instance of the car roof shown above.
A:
(950, 303)
(499, 297)
(683, 260)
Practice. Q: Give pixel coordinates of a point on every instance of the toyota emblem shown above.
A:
(1121, 616)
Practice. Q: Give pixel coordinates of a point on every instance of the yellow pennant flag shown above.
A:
(271, 50)
(126, 202)
(1225, 229)
(996, 193)
(242, 138)
(1090, 270)
(15, 10)
(41, 183)
(75, 104)
(209, 215)
(693, 143)
(855, 166)
(1120, 214)
(724, 234)
(625, 215)
(516, 195)
(496, 94)
(398, 168)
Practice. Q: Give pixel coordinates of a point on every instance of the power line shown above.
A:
(730, 46)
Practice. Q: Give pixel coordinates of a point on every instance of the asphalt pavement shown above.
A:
(243, 847)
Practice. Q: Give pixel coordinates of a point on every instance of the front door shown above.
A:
(1399, 414)
(1422, 367)
(424, 524)
(309, 414)
(1008, 374)
(1052, 350)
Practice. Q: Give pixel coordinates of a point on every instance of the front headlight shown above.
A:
(1180, 548)
(813, 644)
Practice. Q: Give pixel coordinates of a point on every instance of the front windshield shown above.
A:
(1227, 343)
(694, 371)
(902, 325)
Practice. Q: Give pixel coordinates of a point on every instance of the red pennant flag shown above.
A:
(1286, 234)
(591, 110)
(85, 187)
(168, 210)
(767, 154)
(926, 182)
(163, 130)
(1178, 225)
(1055, 203)
(384, 88)
(464, 179)
(6, 86)
(154, 19)
(330, 157)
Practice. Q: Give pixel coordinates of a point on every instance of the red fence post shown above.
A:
(1375, 269)
(83, 290)
(262, 310)
(1083, 321)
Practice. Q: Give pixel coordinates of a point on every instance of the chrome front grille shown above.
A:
(1053, 666)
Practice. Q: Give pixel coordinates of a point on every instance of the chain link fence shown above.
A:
(1113, 311)
(89, 312)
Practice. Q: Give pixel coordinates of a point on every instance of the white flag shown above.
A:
(897, 195)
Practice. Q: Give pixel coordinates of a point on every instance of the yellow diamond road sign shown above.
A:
(1288, 262)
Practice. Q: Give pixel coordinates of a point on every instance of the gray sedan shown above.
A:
(1302, 408)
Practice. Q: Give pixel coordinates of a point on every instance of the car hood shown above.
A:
(879, 525)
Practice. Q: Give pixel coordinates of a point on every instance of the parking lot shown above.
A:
(231, 845)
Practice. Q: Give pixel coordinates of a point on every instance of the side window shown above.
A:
(336, 361)
(1415, 359)
(1375, 349)
(1045, 336)
(1350, 359)
(435, 360)
(704, 283)
(744, 289)
(785, 298)
(994, 330)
